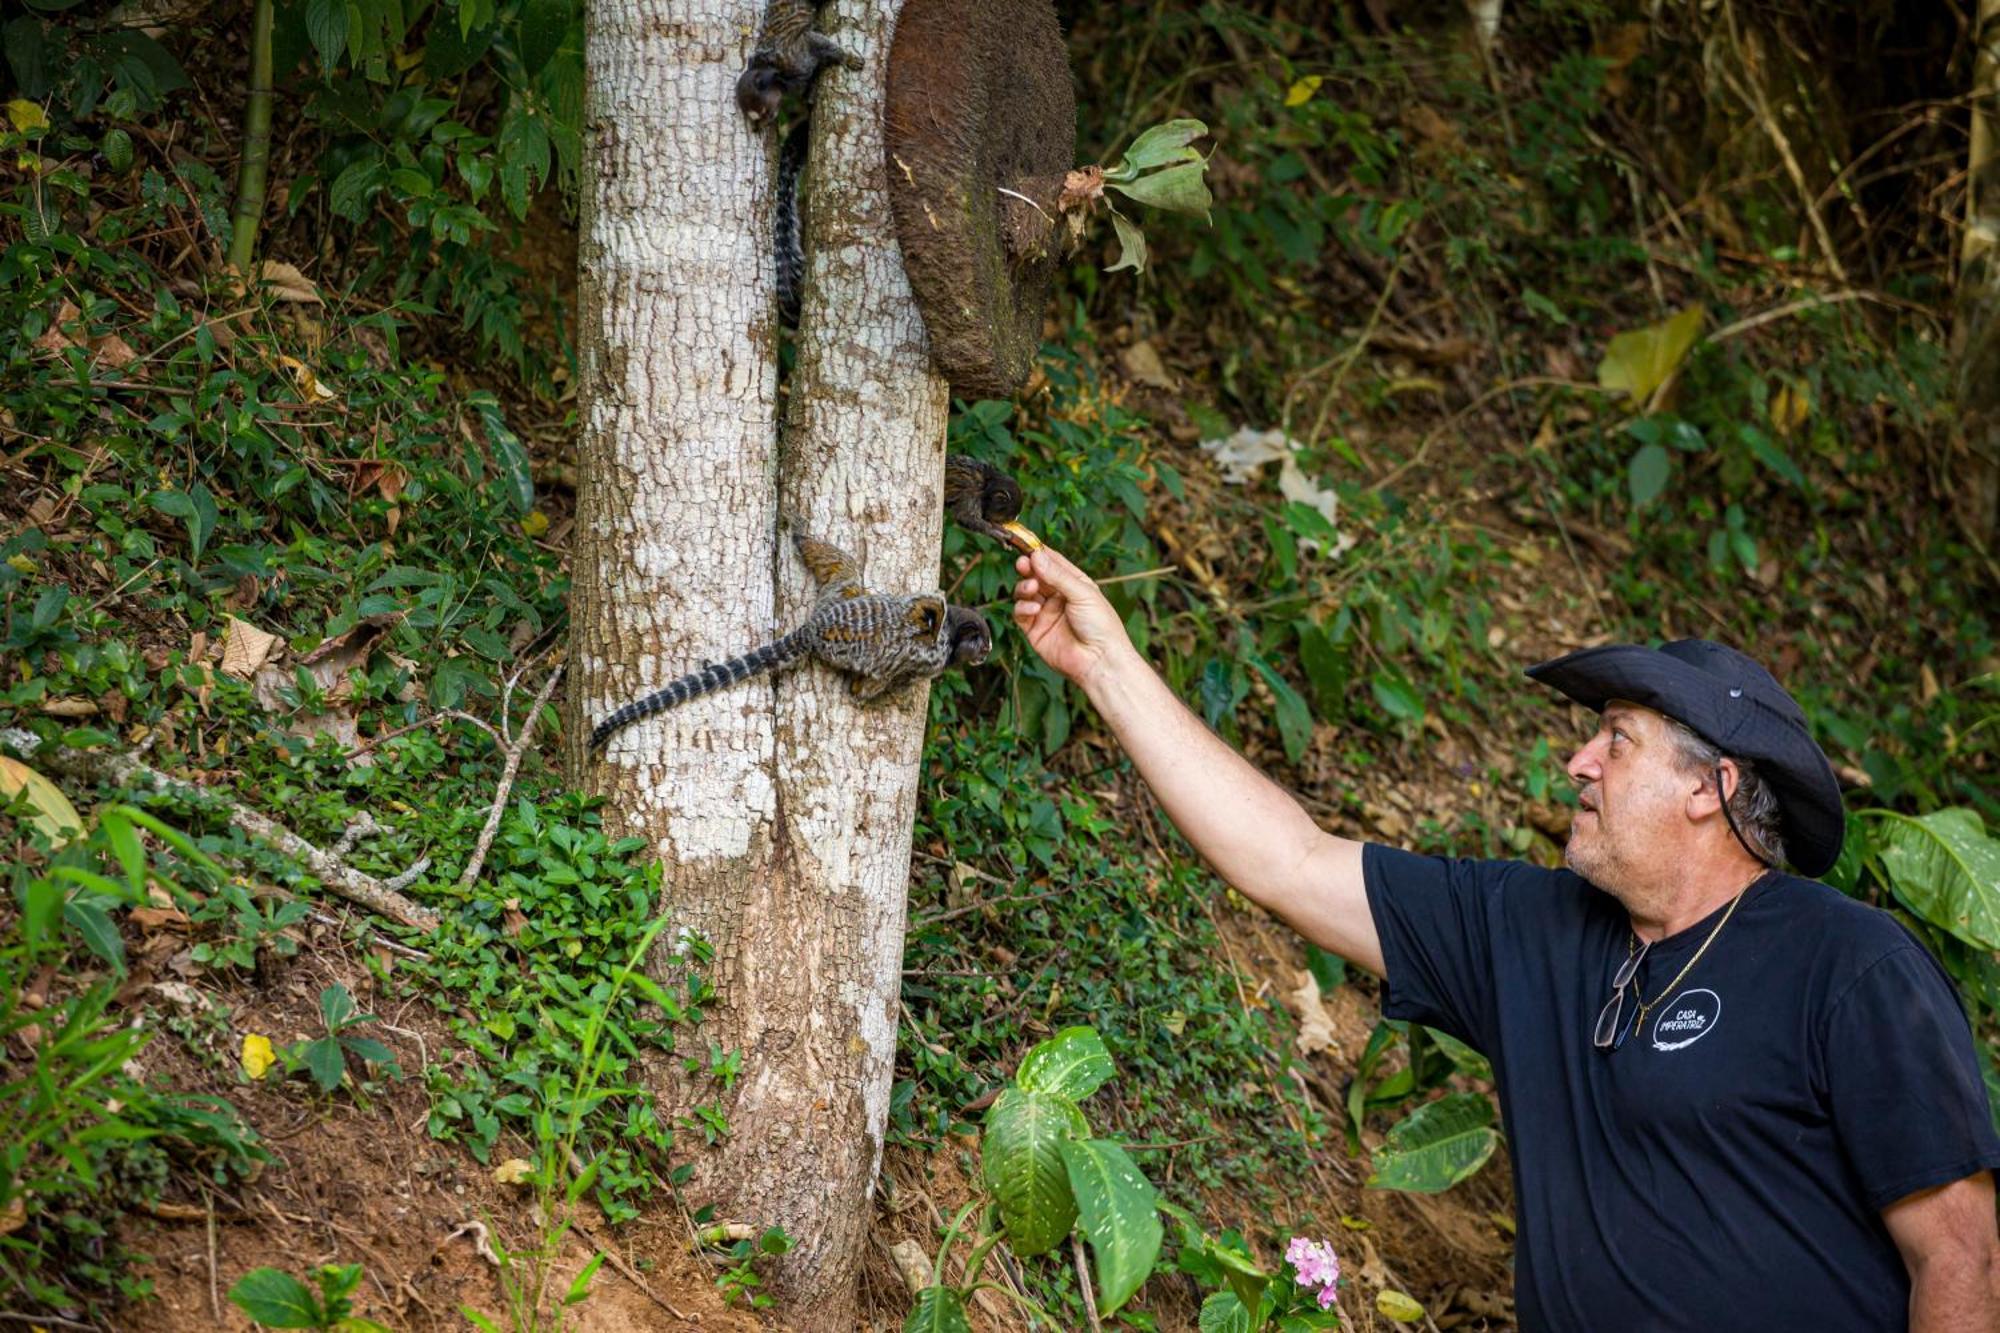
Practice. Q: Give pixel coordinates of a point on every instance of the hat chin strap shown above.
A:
(1722, 792)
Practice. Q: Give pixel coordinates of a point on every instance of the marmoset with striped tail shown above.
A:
(788, 57)
(882, 641)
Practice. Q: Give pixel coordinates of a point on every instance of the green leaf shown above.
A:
(1437, 1145)
(353, 189)
(1946, 868)
(1463, 1058)
(1071, 1064)
(196, 508)
(540, 30)
(117, 149)
(1178, 189)
(336, 1006)
(323, 1061)
(1162, 144)
(508, 453)
(367, 1048)
(1295, 725)
(1020, 1158)
(276, 1299)
(41, 907)
(1640, 360)
(938, 1310)
(450, 49)
(100, 935)
(1223, 1313)
(579, 1286)
(1119, 1212)
(1766, 451)
(1397, 697)
(326, 24)
(1325, 668)
(1131, 245)
(125, 846)
(484, 1323)
(1328, 969)
(1648, 472)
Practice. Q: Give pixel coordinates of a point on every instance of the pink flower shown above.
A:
(1316, 1265)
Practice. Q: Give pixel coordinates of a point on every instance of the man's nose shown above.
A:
(1583, 765)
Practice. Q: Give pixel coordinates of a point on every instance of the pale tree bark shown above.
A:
(861, 464)
(782, 812)
(1976, 326)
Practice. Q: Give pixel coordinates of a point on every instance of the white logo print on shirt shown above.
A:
(1686, 1019)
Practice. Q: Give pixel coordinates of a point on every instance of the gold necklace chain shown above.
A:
(1640, 1021)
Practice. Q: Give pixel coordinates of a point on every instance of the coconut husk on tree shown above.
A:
(980, 131)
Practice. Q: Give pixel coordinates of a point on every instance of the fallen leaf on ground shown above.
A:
(513, 1171)
(288, 284)
(245, 648)
(54, 815)
(1315, 1024)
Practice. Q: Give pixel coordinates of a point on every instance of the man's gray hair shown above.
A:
(1754, 804)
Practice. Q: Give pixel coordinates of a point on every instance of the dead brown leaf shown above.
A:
(1315, 1024)
(54, 340)
(245, 649)
(159, 918)
(113, 351)
(286, 283)
(1142, 362)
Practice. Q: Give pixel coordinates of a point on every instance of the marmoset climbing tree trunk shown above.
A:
(781, 812)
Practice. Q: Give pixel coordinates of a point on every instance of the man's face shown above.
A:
(1632, 801)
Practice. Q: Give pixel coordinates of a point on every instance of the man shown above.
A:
(1734, 1098)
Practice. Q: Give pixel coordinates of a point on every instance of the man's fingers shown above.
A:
(1054, 569)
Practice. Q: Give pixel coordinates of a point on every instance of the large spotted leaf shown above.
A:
(1071, 1064)
(1021, 1160)
(1120, 1213)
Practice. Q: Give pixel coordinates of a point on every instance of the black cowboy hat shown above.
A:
(1736, 706)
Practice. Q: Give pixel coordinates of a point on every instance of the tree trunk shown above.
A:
(861, 465)
(1976, 327)
(784, 826)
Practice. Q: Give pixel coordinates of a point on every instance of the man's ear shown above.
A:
(1717, 786)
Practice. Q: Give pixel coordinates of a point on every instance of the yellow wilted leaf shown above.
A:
(1398, 1307)
(54, 815)
(23, 564)
(258, 1057)
(1302, 92)
(26, 116)
(1789, 409)
(535, 524)
(513, 1171)
(309, 383)
(1640, 360)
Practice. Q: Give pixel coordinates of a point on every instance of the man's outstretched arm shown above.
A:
(1248, 828)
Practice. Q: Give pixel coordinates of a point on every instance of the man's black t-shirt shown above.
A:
(1725, 1167)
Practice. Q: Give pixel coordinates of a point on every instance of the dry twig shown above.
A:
(340, 879)
(513, 765)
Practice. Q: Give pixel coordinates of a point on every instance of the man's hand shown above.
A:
(1066, 618)
(1251, 831)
